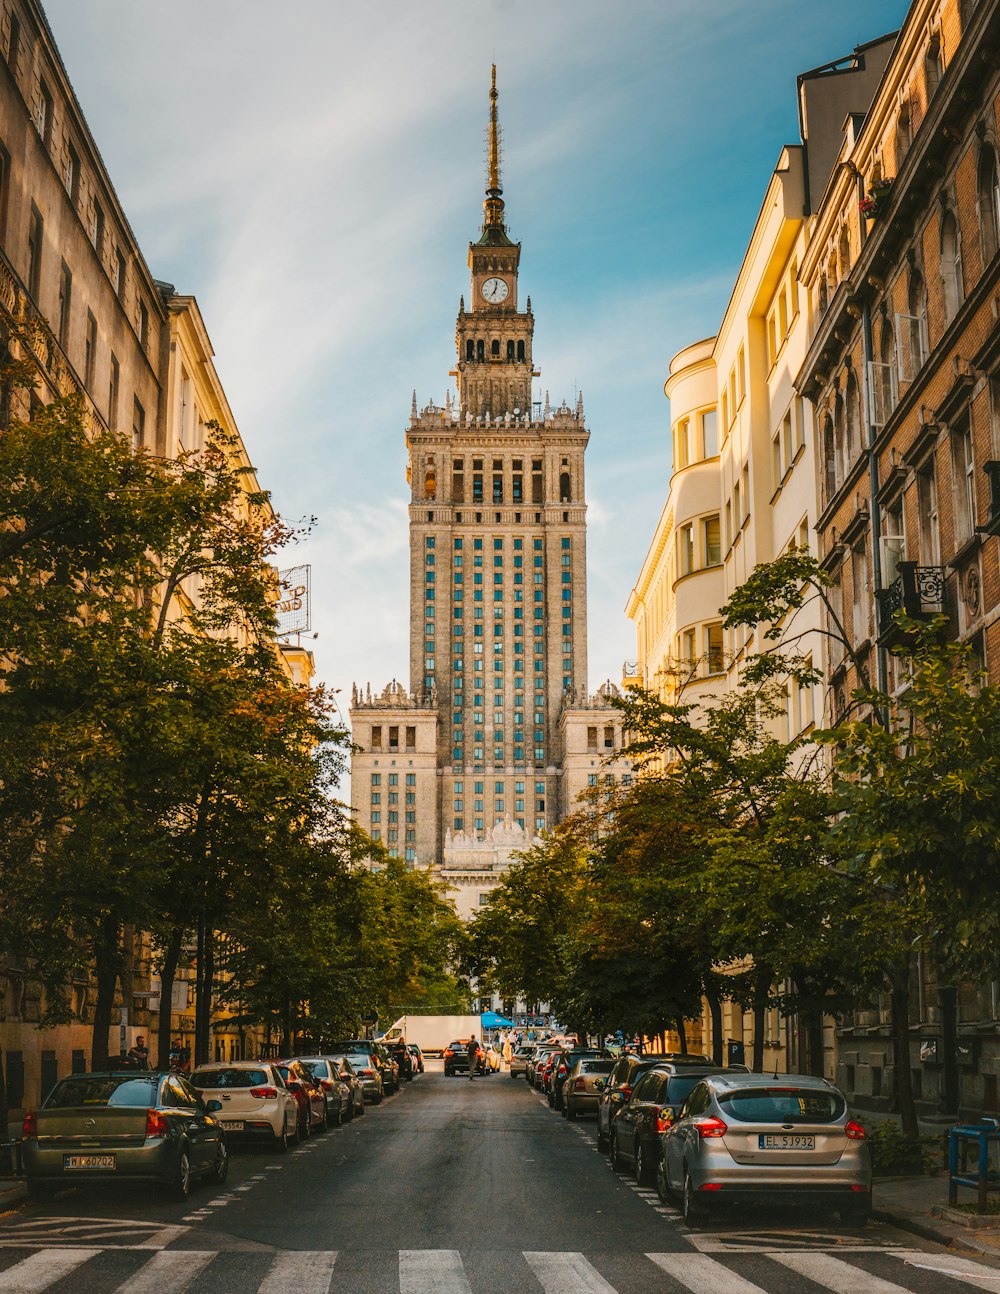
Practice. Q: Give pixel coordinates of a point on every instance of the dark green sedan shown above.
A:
(147, 1127)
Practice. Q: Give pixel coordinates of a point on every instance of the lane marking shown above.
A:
(961, 1269)
(160, 1239)
(168, 1272)
(41, 1270)
(432, 1271)
(567, 1274)
(305, 1271)
(833, 1274)
(703, 1275)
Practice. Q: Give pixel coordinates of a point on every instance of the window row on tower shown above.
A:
(470, 812)
(476, 350)
(497, 480)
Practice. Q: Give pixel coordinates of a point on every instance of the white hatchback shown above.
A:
(256, 1104)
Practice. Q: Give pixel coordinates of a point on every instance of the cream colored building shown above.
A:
(498, 593)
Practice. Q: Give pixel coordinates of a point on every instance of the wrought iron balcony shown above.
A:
(917, 591)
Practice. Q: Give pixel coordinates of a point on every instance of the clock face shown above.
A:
(495, 290)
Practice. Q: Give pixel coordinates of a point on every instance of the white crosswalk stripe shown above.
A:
(43, 1269)
(432, 1271)
(567, 1274)
(703, 1275)
(834, 1274)
(305, 1271)
(960, 1269)
(169, 1272)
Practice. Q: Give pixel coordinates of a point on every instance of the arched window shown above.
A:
(852, 410)
(839, 439)
(470, 349)
(823, 297)
(480, 349)
(565, 493)
(430, 482)
(885, 385)
(844, 252)
(914, 344)
(989, 203)
(951, 266)
(495, 348)
(932, 66)
(520, 351)
(510, 352)
(829, 459)
(903, 135)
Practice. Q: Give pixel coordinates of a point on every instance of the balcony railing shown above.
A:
(917, 591)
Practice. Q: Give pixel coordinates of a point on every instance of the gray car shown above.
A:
(583, 1087)
(520, 1058)
(111, 1127)
(750, 1137)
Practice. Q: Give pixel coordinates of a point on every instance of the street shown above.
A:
(450, 1187)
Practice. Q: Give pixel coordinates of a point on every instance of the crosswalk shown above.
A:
(448, 1271)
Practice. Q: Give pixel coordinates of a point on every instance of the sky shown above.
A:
(314, 172)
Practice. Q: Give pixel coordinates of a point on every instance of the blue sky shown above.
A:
(313, 173)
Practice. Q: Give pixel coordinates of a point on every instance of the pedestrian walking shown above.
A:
(508, 1052)
(473, 1050)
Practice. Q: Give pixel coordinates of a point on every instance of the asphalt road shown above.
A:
(451, 1187)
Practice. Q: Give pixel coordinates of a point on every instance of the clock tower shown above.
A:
(493, 337)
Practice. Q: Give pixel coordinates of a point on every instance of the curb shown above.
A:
(936, 1235)
(13, 1194)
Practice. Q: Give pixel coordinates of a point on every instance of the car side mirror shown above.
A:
(212, 1106)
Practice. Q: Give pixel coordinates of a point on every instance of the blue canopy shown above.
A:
(490, 1020)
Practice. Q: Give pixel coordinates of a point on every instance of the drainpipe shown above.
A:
(867, 351)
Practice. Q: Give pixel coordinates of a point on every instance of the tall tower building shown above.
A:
(470, 762)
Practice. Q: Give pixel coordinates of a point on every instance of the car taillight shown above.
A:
(29, 1128)
(264, 1093)
(711, 1186)
(448, 1051)
(368, 1073)
(854, 1130)
(664, 1120)
(327, 1083)
(711, 1127)
(626, 1092)
(156, 1123)
(578, 1084)
(562, 1069)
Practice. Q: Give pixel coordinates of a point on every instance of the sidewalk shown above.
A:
(909, 1203)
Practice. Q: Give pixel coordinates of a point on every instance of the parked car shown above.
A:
(255, 1103)
(543, 1058)
(563, 1062)
(456, 1058)
(149, 1127)
(372, 1061)
(326, 1072)
(619, 1086)
(659, 1093)
(309, 1096)
(746, 1137)
(519, 1061)
(418, 1057)
(352, 1080)
(581, 1092)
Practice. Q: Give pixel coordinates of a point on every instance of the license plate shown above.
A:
(107, 1162)
(786, 1141)
(233, 1125)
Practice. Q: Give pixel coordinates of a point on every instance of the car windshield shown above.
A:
(360, 1062)
(102, 1090)
(678, 1089)
(783, 1105)
(218, 1078)
(315, 1067)
(596, 1066)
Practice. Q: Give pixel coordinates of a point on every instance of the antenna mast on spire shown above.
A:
(493, 206)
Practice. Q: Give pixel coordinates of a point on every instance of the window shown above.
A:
(565, 492)
(90, 350)
(685, 552)
(713, 648)
(65, 304)
(119, 279)
(776, 460)
(113, 383)
(36, 229)
(43, 112)
(97, 229)
(912, 331)
(14, 44)
(903, 132)
(951, 267)
(71, 174)
(927, 506)
(684, 454)
(859, 592)
(711, 540)
(989, 203)
(962, 471)
(893, 541)
(710, 432)
(138, 424)
(932, 66)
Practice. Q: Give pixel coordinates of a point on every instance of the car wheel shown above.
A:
(617, 1163)
(361, 1108)
(180, 1187)
(662, 1186)
(281, 1141)
(857, 1215)
(602, 1138)
(643, 1173)
(295, 1137)
(692, 1209)
(551, 1100)
(346, 1118)
(306, 1127)
(569, 1110)
(377, 1098)
(220, 1171)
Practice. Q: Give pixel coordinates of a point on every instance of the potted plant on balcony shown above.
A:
(878, 195)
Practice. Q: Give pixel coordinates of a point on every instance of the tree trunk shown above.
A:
(286, 1025)
(107, 963)
(168, 973)
(203, 1009)
(948, 997)
(814, 1033)
(899, 982)
(761, 993)
(715, 1009)
(6, 1164)
(682, 1035)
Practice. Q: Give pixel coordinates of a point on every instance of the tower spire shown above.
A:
(493, 206)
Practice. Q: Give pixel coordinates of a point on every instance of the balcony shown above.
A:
(917, 591)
